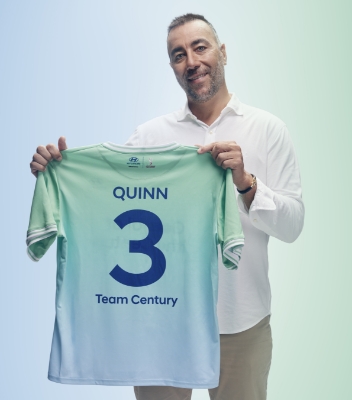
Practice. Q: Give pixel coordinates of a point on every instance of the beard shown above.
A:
(217, 79)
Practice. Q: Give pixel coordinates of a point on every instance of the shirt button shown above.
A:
(210, 132)
(254, 220)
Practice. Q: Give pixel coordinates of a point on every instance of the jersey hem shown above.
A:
(116, 382)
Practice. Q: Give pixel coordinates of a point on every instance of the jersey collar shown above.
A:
(136, 149)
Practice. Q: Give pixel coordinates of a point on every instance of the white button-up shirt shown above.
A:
(277, 209)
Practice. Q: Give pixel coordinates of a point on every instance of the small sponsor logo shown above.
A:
(150, 165)
(133, 162)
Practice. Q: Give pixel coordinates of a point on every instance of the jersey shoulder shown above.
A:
(87, 148)
(84, 154)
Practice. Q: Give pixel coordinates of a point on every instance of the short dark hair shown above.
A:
(183, 19)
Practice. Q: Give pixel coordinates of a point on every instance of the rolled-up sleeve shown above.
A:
(277, 208)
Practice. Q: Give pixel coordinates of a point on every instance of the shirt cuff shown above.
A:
(263, 200)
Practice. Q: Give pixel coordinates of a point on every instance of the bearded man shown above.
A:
(257, 147)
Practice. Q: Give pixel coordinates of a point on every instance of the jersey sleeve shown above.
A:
(230, 234)
(44, 218)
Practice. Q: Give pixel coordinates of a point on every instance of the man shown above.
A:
(257, 147)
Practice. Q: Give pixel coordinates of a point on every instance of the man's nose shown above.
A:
(192, 61)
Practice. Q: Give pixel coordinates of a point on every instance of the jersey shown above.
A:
(137, 232)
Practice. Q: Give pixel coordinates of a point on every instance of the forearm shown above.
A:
(278, 215)
(277, 207)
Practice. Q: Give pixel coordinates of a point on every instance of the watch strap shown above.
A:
(254, 183)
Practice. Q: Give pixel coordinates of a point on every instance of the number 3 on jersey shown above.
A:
(144, 246)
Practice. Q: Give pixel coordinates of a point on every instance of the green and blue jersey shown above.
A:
(137, 232)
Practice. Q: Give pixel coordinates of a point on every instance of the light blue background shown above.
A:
(93, 71)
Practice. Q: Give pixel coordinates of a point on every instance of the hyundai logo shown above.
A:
(133, 159)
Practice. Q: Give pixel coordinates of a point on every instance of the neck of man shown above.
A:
(209, 111)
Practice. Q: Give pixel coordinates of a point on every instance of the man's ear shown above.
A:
(223, 51)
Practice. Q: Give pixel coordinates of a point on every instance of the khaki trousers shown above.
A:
(245, 360)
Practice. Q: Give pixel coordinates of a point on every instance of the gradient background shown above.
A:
(93, 71)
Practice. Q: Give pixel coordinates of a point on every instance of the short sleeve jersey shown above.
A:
(137, 231)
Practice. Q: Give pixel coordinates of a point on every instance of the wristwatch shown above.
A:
(254, 183)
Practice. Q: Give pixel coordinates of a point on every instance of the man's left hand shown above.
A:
(229, 155)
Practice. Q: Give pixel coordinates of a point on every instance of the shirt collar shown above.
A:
(233, 105)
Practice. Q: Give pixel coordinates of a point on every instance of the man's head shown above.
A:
(196, 56)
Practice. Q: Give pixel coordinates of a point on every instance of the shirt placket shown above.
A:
(210, 130)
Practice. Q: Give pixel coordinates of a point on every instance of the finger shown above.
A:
(235, 156)
(224, 146)
(226, 155)
(36, 167)
(218, 150)
(54, 151)
(229, 147)
(62, 143)
(40, 159)
(43, 151)
(221, 147)
(206, 148)
(228, 164)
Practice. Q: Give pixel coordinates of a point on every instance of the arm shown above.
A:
(46, 154)
(277, 207)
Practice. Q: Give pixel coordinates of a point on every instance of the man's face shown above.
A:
(197, 60)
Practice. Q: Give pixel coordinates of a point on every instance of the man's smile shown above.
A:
(197, 78)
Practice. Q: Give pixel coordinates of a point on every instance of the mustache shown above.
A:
(191, 73)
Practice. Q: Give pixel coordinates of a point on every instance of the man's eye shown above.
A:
(178, 57)
(201, 48)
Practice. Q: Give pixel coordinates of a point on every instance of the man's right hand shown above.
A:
(45, 154)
